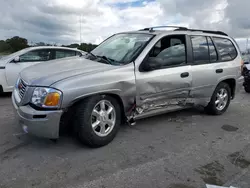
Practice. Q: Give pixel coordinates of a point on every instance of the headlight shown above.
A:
(46, 97)
(17, 82)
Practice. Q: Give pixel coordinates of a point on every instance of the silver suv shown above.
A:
(130, 75)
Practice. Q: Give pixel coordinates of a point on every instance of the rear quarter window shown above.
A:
(226, 48)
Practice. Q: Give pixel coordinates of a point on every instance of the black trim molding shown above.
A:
(2, 67)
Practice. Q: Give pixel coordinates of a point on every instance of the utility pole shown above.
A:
(80, 29)
(247, 46)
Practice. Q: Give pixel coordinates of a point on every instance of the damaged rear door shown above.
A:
(164, 78)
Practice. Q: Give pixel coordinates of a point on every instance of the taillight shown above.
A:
(241, 65)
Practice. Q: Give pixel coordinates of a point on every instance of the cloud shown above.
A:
(59, 20)
(118, 1)
(239, 20)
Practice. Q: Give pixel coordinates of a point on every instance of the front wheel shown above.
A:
(97, 120)
(220, 100)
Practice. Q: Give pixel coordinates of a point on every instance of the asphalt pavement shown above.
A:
(185, 149)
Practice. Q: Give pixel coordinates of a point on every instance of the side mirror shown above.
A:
(16, 59)
(151, 63)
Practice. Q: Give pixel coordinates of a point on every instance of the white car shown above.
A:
(11, 65)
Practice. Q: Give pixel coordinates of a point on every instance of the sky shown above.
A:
(58, 21)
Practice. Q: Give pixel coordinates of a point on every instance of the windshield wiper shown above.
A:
(109, 61)
(92, 54)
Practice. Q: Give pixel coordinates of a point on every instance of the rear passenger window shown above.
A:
(212, 52)
(225, 48)
(78, 54)
(64, 53)
(200, 49)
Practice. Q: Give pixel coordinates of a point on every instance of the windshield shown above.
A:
(121, 48)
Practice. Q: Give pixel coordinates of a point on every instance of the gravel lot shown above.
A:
(178, 150)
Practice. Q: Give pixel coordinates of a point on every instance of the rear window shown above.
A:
(225, 48)
(64, 53)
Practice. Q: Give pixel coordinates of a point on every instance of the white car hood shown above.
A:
(5, 59)
(2, 63)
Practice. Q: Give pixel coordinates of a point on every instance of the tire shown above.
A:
(247, 89)
(214, 109)
(84, 119)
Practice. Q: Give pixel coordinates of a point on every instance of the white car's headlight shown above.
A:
(46, 97)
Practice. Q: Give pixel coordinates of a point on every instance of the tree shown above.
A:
(87, 47)
(17, 43)
(4, 47)
(75, 45)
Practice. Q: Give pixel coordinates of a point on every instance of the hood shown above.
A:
(47, 73)
(2, 63)
(4, 60)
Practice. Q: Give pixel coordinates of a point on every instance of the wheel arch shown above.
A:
(70, 110)
(109, 93)
(232, 84)
(211, 107)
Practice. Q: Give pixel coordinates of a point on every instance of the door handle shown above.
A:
(184, 74)
(219, 71)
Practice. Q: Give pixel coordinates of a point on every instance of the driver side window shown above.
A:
(35, 55)
(169, 51)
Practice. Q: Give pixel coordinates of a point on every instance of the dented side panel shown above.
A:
(118, 81)
(162, 88)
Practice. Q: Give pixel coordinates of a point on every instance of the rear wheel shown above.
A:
(97, 120)
(220, 100)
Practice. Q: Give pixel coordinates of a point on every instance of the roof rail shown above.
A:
(204, 31)
(179, 28)
(151, 29)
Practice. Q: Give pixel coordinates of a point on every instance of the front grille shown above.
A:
(21, 88)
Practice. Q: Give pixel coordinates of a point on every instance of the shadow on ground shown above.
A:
(5, 95)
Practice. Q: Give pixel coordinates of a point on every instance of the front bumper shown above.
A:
(38, 123)
(246, 80)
